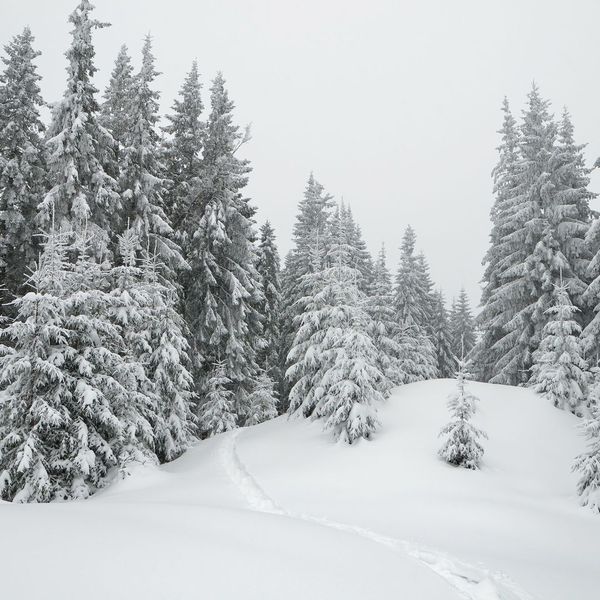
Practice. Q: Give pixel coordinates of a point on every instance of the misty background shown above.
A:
(393, 105)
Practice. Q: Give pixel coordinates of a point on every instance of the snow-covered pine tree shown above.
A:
(66, 422)
(83, 194)
(262, 401)
(268, 267)
(115, 114)
(412, 306)
(587, 464)
(167, 368)
(522, 280)
(412, 293)
(306, 363)
(34, 419)
(108, 361)
(22, 167)
(310, 231)
(223, 289)
(350, 382)
(360, 257)
(383, 323)
(141, 179)
(217, 411)
(569, 210)
(462, 447)
(559, 371)
(497, 302)
(462, 326)
(183, 149)
(131, 313)
(590, 336)
(446, 363)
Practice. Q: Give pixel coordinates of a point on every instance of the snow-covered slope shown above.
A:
(279, 511)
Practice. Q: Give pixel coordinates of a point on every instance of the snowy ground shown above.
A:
(280, 512)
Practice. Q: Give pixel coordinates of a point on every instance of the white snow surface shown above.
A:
(279, 511)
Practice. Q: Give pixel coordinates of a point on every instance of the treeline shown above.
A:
(141, 307)
(540, 317)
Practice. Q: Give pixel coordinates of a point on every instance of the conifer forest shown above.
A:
(175, 367)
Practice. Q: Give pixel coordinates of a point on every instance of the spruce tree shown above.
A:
(412, 305)
(461, 326)
(72, 414)
(223, 288)
(168, 364)
(559, 371)
(384, 327)
(350, 382)
(22, 167)
(306, 363)
(34, 418)
(523, 278)
(83, 194)
(115, 112)
(446, 362)
(311, 231)
(498, 306)
(587, 464)
(141, 179)
(217, 411)
(262, 401)
(462, 447)
(569, 209)
(183, 149)
(268, 267)
(590, 336)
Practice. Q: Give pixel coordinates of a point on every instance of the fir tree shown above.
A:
(311, 231)
(559, 372)
(22, 168)
(462, 447)
(268, 267)
(142, 178)
(384, 327)
(462, 326)
(498, 307)
(306, 363)
(168, 364)
(223, 290)
(217, 411)
(568, 209)
(522, 279)
(33, 416)
(262, 401)
(590, 336)
(183, 148)
(412, 303)
(69, 416)
(115, 112)
(588, 463)
(83, 194)
(350, 382)
(441, 337)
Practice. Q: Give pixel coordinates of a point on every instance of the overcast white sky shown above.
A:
(393, 104)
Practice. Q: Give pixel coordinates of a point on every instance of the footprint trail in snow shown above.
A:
(472, 582)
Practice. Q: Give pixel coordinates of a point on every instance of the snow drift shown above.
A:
(280, 511)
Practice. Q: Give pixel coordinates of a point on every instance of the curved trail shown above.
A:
(471, 581)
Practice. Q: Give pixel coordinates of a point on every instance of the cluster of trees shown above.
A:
(137, 299)
(349, 334)
(540, 317)
(141, 307)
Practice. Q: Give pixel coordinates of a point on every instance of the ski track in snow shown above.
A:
(471, 581)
